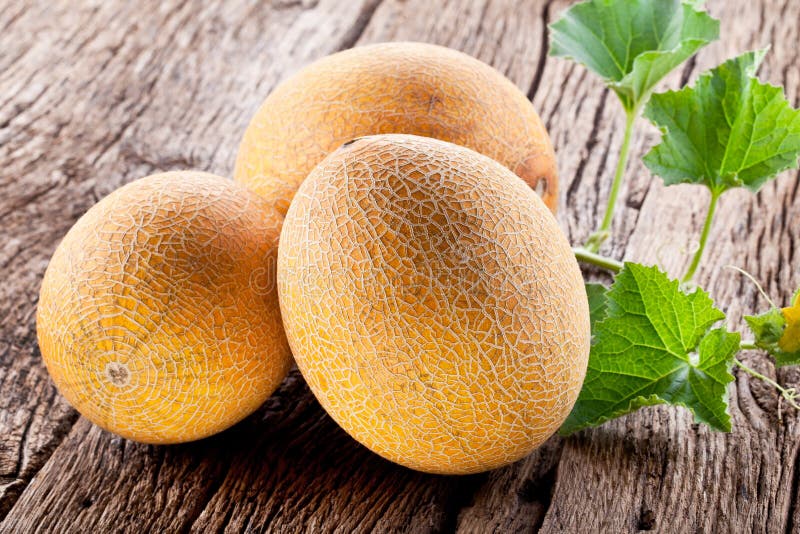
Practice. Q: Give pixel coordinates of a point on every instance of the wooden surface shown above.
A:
(95, 94)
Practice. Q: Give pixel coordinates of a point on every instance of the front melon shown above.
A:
(432, 304)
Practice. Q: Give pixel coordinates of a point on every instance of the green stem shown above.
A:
(585, 256)
(601, 234)
(747, 345)
(790, 394)
(698, 255)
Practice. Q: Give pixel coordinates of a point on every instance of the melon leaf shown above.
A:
(598, 302)
(729, 130)
(656, 345)
(632, 44)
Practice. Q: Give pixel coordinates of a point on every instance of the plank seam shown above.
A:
(793, 494)
(543, 50)
(352, 35)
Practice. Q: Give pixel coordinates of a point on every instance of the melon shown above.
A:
(407, 88)
(432, 304)
(158, 317)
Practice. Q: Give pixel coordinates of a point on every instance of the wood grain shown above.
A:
(96, 94)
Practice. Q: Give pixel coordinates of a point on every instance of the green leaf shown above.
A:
(767, 327)
(729, 130)
(777, 331)
(598, 302)
(632, 44)
(656, 345)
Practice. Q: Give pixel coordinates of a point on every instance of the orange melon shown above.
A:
(158, 316)
(432, 304)
(410, 88)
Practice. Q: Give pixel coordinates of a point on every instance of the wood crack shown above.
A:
(22, 446)
(794, 493)
(12, 19)
(588, 148)
(543, 50)
(9, 499)
(463, 495)
(362, 21)
(544, 489)
(25, 201)
(691, 64)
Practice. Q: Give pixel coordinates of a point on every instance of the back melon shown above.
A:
(408, 88)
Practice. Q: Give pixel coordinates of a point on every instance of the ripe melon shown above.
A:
(410, 88)
(432, 304)
(158, 317)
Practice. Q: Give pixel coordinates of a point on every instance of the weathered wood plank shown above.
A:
(96, 96)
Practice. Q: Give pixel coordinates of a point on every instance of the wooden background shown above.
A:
(95, 94)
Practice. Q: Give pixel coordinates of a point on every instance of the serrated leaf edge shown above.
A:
(619, 85)
(654, 400)
(752, 70)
